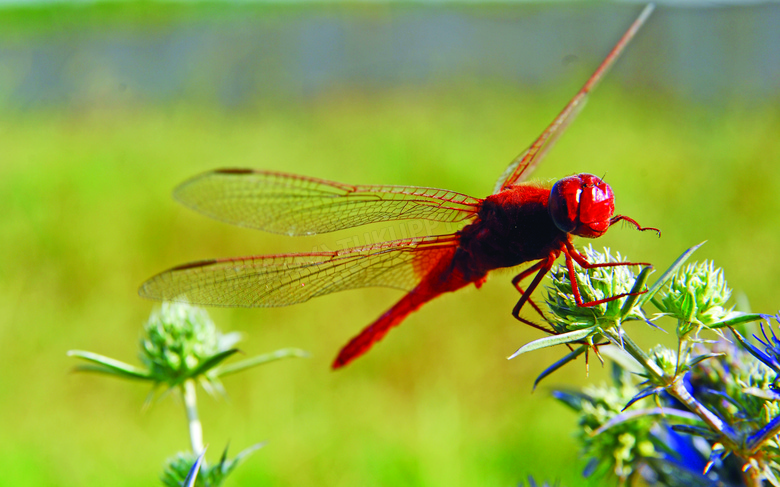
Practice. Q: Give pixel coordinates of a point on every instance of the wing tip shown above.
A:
(193, 265)
(150, 290)
(180, 192)
(233, 170)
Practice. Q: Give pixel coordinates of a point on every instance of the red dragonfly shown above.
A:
(520, 222)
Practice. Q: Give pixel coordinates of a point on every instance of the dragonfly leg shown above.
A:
(583, 262)
(531, 323)
(523, 275)
(633, 222)
(543, 266)
(572, 255)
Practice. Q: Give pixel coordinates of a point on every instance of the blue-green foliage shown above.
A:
(705, 414)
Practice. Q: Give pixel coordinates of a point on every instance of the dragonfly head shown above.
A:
(582, 205)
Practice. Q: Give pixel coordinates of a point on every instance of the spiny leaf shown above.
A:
(766, 433)
(210, 363)
(239, 459)
(107, 365)
(643, 394)
(633, 298)
(193, 474)
(668, 274)
(261, 359)
(738, 320)
(551, 341)
(557, 365)
(701, 358)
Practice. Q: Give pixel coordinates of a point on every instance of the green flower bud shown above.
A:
(622, 447)
(696, 297)
(178, 338)
(594, 285)
(664, 358)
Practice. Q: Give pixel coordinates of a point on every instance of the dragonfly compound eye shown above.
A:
(582, 205)
(564, 203)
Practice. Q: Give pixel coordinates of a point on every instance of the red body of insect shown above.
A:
(520, 222)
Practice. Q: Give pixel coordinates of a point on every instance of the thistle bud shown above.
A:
(696, 297)
(179, 337)
(593, 284)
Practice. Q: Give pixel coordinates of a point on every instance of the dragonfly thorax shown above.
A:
(513, 226)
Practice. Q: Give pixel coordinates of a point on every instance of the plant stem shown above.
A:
(678, 390)
(675, 387)
(191, 406)
(635, 351)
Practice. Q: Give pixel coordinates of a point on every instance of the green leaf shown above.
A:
(109, 366)
(261, 359)
(688, 307)
(668, 274)
(738, 320)
(552, 340)
(632, 299)
(557, 365)
(210, 363)
(242, 456)
(696, 360)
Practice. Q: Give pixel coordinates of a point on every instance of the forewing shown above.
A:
(522, 166)
(298, 205)
(281, 280)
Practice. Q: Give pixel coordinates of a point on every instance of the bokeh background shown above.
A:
(106, 107)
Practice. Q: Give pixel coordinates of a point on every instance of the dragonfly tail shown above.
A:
(378, 329)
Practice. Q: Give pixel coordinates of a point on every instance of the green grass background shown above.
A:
(86, 216)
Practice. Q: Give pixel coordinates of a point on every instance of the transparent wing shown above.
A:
(522, 166)
(281, 280)
(298, 205)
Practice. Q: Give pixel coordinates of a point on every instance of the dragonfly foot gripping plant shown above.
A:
(704, 414)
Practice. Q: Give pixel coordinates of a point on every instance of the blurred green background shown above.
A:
(104, 108)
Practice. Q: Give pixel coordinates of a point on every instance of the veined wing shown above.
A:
(284, 279)
(299, 205)
(522, 166)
